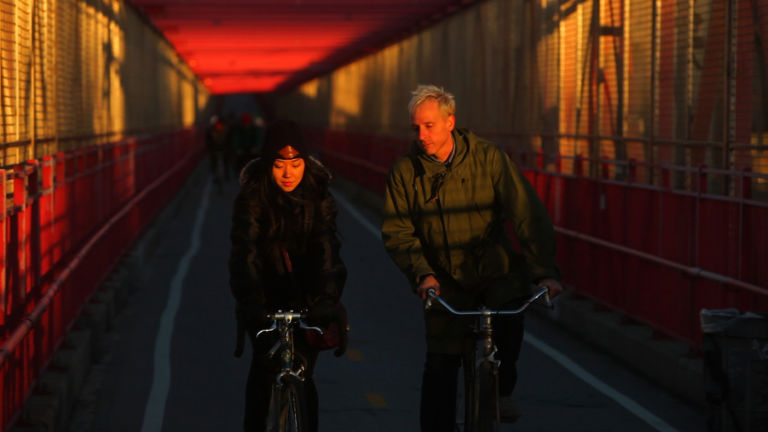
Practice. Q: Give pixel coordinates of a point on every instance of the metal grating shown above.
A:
(80, 72)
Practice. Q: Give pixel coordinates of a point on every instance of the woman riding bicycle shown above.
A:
(284, 256)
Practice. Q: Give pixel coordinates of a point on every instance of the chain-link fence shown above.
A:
(77, 73)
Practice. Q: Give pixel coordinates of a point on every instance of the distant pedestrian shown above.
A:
(218, 154)
(245, 138)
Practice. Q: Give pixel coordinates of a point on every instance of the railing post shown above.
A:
(19, 288)
(131, 168)
(3, 230)
(92, 186)
(33, 219)
(702, 179)
(665, 176)
(605, 168)
(746, 183)
(578, 168)
(633, 170)
(46, 216)
(79, 196)
(60, 204)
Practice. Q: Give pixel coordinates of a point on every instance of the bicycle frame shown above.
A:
(483, 362)
(287, 411)
(283, 323)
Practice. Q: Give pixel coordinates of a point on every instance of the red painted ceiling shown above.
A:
(239, 46)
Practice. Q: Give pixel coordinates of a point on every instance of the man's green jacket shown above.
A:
(459, 235)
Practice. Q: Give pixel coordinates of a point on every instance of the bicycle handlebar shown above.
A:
(288, 317)
(431, 294)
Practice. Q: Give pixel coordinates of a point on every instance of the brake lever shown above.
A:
(304, 326)
(273, 328)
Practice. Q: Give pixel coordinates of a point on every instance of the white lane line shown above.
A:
(161, 380)
(560, 358)
(627, 403)
(356, 214)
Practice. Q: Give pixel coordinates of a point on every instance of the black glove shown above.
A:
(322, 314)
(249, 316)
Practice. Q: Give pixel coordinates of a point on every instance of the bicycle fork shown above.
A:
(481, 379)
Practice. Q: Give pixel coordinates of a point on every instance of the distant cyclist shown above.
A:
(285, 255)
(446, 204)
(218, 155)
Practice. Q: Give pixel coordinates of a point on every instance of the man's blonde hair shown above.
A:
(425, 92)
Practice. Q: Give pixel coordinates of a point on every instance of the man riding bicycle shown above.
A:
(446, 204)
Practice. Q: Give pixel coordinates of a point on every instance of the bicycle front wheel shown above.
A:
(287, 407)
(485, 399)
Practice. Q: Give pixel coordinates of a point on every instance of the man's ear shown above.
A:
(451, 122)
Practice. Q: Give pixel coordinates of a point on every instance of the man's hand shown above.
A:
(429, 281)
(552, 285)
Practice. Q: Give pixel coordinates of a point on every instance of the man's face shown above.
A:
(433, 129)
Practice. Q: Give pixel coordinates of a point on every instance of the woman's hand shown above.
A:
(249, 316)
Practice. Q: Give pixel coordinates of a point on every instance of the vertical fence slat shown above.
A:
(3, 264)
(46, 216)
(18, 286)
(33, 224)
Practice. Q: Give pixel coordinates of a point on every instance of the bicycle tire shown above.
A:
(470, 393)
(485, 399)
(287, 407)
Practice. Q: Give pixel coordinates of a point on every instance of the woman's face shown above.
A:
(288, 173)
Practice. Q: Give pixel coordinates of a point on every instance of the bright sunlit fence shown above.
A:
(65, 221)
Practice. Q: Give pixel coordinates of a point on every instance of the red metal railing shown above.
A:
(657, 254)
(72, 216)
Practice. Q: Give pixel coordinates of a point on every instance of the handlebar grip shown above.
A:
(428, 302)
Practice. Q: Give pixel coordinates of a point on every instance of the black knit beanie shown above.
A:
(284, 140)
